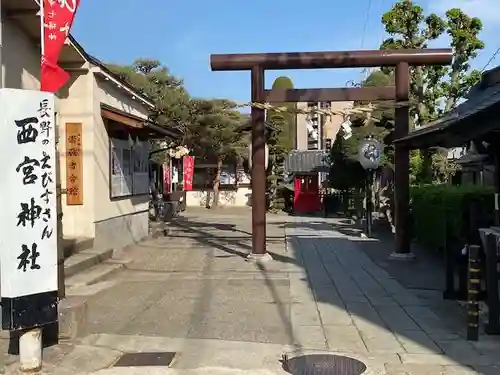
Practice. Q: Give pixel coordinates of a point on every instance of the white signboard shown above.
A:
(28, 223)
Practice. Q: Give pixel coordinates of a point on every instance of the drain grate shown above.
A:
(323, 364)
(145, 359)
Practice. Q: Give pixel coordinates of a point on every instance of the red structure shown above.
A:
(306, 194)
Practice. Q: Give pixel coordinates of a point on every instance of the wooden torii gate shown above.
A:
(258, 63)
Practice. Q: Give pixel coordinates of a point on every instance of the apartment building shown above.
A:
(314, 129)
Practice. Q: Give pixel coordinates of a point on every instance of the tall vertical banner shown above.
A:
(188, 167)
(57, 17)
(167, 178)
(28, 230)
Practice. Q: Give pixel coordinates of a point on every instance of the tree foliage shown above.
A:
(209, 126)
(281, 130)
(435, 90)
(345, 170)
(153, 80)
(214, 137)
(286, 123)
(213, 129)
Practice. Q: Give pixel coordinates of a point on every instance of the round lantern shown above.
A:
(370, 153)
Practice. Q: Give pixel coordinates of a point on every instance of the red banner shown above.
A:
(167, 178)
(188, 166)
(53, 77)
(57, 18)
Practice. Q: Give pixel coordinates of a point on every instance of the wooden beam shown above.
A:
(331, 94)
(125, 119)
(333, 59)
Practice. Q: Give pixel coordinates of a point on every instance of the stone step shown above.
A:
(94, 274)
(85, 259)
(75, 245)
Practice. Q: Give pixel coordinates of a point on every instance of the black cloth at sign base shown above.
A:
(30, 311)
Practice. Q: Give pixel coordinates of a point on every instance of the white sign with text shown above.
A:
(28, 230)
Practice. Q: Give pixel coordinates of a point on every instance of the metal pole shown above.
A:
(258, 167)
(473, 294)
(369, 207)
(402, 165)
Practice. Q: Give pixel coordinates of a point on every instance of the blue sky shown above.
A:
(183, 33)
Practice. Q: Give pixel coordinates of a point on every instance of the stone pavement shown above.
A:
(193, 293)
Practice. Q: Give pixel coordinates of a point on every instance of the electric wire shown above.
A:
(491, 59)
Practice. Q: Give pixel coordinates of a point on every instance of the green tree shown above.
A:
(155, 82)
(173, 105)
(285, 122)
(214, 136)
(434, 90)
(281, 130)
(345, 171)
(379, 124)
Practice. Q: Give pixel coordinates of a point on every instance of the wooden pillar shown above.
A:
(497, 187)
(258, 164)
(402, 165)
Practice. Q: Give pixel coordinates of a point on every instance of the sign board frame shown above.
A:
(28, 230)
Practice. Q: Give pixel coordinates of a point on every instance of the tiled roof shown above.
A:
(480, 99)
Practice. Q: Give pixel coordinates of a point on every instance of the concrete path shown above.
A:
(193, 293)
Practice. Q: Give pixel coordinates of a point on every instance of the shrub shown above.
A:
(439, 212)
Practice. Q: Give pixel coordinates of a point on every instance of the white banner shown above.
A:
(28, 223)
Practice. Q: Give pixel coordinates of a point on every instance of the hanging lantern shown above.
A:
(370, 153)
(266, 158)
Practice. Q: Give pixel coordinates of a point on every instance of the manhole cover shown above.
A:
(324, 364)
(145, 359)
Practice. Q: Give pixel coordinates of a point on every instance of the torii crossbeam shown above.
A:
(257, 63)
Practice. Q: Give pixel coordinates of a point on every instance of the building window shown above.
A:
(129, 173)
(204, 175)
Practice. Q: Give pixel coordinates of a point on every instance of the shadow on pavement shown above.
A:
(198, 231)
(391, 305)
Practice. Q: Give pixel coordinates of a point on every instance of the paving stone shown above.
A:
(486, 370)
(334, 314)
(425, 369)
(305, 314)
(417, 342)
(382, 301)
(412, 369)
(310, 337)
(436, 359)
(465, 351)
(368, 284)
(320, 282)
(426, 319)
(328, 295)
(381, 341)
(344, 338)
(396, 318)
(446, 336)
(392, 286)
(408, 299)
(365, 316)
(377, 273)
